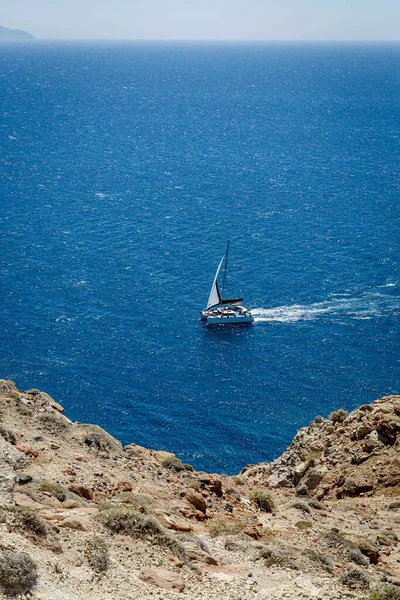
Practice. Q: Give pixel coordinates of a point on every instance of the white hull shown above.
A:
(226, 316)
(228, 320)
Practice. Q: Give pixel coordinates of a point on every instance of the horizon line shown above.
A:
(205, 40)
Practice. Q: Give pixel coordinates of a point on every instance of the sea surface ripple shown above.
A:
(124, 170)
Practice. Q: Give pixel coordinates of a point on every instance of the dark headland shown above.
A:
(13, 35)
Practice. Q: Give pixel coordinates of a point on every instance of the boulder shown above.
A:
(196, 500)
(162, 578)
(22, 478)
(77, 522)
(81, 490)
(353, 488)
(196, 554)
(314, 476)
(170, 521)
(26, 502)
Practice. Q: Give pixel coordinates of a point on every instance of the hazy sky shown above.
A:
(205, 19)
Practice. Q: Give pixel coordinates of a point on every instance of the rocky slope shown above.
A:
(82, 518)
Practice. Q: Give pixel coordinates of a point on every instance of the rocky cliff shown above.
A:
(82, 517)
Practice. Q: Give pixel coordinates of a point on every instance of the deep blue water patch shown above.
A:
(125, 168)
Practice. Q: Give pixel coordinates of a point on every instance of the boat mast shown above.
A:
(226, 263)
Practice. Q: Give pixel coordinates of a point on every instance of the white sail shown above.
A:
(214, 297)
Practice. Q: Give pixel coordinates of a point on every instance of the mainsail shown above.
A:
(214, 298)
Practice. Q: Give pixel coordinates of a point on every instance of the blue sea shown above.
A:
(125, 168)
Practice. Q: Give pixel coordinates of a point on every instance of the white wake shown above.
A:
(367, 305)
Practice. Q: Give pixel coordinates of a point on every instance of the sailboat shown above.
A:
(221, 310)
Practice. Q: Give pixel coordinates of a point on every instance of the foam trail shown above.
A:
(365, 306)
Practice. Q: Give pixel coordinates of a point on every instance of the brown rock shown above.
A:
(71, 504)
(68, 471)
(50, 515)
(81, 458)
(77, 522)
(26, 502)
(81, 490)
(216, 487)
(196, 554)
(27, 450)
(168, 580)
(196, 500)
(171, 521)
(124, 486)
(353, 488)
(199, 516)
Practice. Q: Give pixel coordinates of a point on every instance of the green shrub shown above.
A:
(394, 505)
(316, 557)
(355, 578)
(126, 521)
(276, 560)
(139, 501)
(385, 592)
(55, 490)
(97, 554)
(237, 480)
(338, 416)
(301, 506)
(265, 552)
(224, 528)
(24, 519)
(29, 523)
(263, 500)
(303, 525)
(8, 435)
(175, 464)
(18, 572)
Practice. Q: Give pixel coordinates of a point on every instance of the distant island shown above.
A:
(14, 35)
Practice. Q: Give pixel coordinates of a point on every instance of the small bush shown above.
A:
(8, 435)
(338, 416)
(224, 528)
(139, 501)
(303, 525)
(394, 505)
(263, 500)
(265, 552)
(18, 572)
(173, 463)
(55, 490)
(26, 520)
(126, 521)
(386, 592)
(52, 422)
(237, 480)
(301, 506)
(357, 557)
(316, 557)
(277, 560)
(355, 578)
(97, 554)
(30, 524)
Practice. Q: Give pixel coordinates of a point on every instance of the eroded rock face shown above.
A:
(336, 458)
